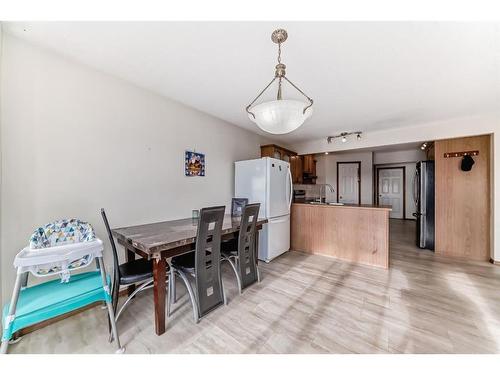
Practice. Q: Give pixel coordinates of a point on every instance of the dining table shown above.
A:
(161, 241)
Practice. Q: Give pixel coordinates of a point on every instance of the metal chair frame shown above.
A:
(116, 276)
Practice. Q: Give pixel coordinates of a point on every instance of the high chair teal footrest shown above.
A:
(53, 298)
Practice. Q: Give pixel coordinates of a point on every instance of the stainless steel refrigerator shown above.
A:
(423, 195)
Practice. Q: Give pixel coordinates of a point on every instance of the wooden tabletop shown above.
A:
(156, 237)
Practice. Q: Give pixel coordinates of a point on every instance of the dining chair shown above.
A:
(137, 271)
(202, 266)
(241, 252)
(58, 249)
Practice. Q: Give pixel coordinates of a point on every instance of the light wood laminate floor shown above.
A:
(312, 304)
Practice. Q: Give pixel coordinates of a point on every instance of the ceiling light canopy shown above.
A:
(280, 116)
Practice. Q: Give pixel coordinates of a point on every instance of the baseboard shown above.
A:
(495, 262)
(48, 322)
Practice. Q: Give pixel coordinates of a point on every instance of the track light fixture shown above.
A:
(344, 136)
(426, 145)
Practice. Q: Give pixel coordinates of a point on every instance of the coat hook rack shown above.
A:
(459, 154)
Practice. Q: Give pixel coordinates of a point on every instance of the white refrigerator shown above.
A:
(268, 181)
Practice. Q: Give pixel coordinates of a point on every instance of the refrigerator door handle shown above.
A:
(290, 180)
(415, 188)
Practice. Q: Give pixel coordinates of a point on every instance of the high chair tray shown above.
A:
(53, 298)
(29, 257)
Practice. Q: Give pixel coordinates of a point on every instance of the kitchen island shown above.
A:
(356, 233)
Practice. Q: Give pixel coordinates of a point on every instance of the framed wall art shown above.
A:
(194, 164)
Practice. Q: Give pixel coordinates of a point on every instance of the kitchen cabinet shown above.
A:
(309, 164)
(356, 233)
(281, 153)
(277, 152)
(308, 169)
(296, 168)
(303, 168)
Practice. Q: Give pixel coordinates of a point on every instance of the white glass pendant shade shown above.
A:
(280, 116)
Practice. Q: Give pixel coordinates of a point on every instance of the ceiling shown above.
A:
(362, 75)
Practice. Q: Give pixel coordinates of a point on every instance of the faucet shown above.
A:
(323, 188)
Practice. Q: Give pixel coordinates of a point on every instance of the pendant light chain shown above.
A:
(279, 96)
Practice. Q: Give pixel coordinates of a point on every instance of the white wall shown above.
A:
(399, 156)
(75, 140)
(326, 170)
(451, 128)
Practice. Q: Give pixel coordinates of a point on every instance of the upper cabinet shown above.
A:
(309, 164)
(303, 168)
(296, 169)
(309, 169)
(281, 153)
(277, 152)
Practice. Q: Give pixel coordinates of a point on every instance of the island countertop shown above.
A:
(345, 205)
(356, 233)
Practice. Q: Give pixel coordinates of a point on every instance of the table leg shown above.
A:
(159, 292)
(130, 257)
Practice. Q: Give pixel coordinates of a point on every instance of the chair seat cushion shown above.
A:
(184, 261)
(232, 253)
(136, 271)
(229, 248)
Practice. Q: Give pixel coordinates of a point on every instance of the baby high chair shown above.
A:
(58, 248)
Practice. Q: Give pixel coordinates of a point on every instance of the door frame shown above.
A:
(359, 177)
(404, 186)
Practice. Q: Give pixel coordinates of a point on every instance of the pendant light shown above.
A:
(280, 116)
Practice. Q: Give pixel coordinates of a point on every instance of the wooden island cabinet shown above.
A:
(356, 233)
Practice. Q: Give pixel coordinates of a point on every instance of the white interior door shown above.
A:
(348, 182)
(391, 190)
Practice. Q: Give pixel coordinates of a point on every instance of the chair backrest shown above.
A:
(207, 259)
(246, 244)
(237, 205)
(116, 267)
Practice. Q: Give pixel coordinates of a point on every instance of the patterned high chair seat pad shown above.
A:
(62, 232)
